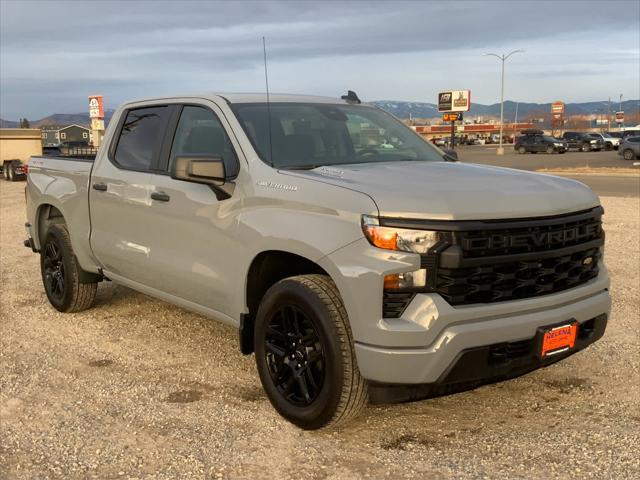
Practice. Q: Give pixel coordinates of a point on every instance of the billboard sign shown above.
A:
(454, 101)
(557, 108)
(619, 117)
(96, 106)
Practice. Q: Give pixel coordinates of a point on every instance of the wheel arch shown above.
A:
(267, 268)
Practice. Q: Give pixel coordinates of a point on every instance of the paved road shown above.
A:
(604, 185)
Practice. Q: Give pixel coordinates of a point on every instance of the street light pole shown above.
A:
(502, 58)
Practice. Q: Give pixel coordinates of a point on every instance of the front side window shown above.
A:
(200, 132)
(299, 135)
(141, 137)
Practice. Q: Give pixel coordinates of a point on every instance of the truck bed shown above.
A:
(63, 183)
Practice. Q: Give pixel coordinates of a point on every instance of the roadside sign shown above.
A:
(619, 117)
(454, 101)
(451, 117)
(557, 108)
(96, 106)
(97, 124)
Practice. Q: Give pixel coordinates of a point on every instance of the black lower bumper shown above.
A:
(488, 364)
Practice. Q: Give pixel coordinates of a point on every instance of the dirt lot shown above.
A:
(137, 388)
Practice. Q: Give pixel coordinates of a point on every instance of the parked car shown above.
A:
(610, 142)
(615, 134)
(537, 143)
(582, 141)
(353, 273)
(630, 148)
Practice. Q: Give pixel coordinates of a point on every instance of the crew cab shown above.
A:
(358, 262)
(582, 142)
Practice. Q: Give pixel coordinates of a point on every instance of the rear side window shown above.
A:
(141, 137)
(200, 132)
(633, 139)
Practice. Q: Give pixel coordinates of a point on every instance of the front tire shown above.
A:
(522, 150)
(61, 273)
(585, 147)
(305, 354)
(550, 150)
(628, 154)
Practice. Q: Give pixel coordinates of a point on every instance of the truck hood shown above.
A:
(457, 191)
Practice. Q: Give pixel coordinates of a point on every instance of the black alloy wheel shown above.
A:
(62, 278)
(305, 353)
(294, 355)
(53, 271)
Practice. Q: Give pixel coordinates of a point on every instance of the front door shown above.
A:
(195, 240)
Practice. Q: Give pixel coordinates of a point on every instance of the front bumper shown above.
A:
(487, 364)
(429, 364)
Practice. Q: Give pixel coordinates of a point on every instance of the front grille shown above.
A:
(394, 303)
(499, 260)
(530, 238)
(518, 279)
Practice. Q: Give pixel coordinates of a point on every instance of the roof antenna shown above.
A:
(266, 82)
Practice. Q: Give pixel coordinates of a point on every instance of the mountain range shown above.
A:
(525, 110)
(402, 109)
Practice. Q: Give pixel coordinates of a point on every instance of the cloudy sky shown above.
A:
(55, 53)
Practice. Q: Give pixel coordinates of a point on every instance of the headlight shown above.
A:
(558, 144)
(415, 241)
(406, 240)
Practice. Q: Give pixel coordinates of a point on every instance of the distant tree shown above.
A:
(24, 123)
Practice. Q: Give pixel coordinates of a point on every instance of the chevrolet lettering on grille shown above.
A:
(551, 238)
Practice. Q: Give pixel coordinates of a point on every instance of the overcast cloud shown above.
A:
(55, 53)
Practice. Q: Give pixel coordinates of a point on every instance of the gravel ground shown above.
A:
(137, 388)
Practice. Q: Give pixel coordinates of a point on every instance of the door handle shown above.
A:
(160, 196)
(101, 187)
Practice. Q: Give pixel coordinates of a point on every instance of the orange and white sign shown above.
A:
(557, 107)
(96, 106)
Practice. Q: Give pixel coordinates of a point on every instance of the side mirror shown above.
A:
(450, 155)
(199, 169)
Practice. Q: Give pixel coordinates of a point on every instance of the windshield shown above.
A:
(312, 135)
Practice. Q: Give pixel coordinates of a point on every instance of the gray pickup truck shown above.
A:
(358, 261)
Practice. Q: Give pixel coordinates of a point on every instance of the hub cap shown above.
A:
(294, 355)
(53, 271)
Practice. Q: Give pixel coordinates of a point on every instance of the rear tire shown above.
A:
(522, 150)
(628, 154)
(305, 354)
(61, 273)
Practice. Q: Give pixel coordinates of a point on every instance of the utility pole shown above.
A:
(502, 58)
(515, 121)
(609, 115)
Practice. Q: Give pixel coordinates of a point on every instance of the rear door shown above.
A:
(120, 193)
